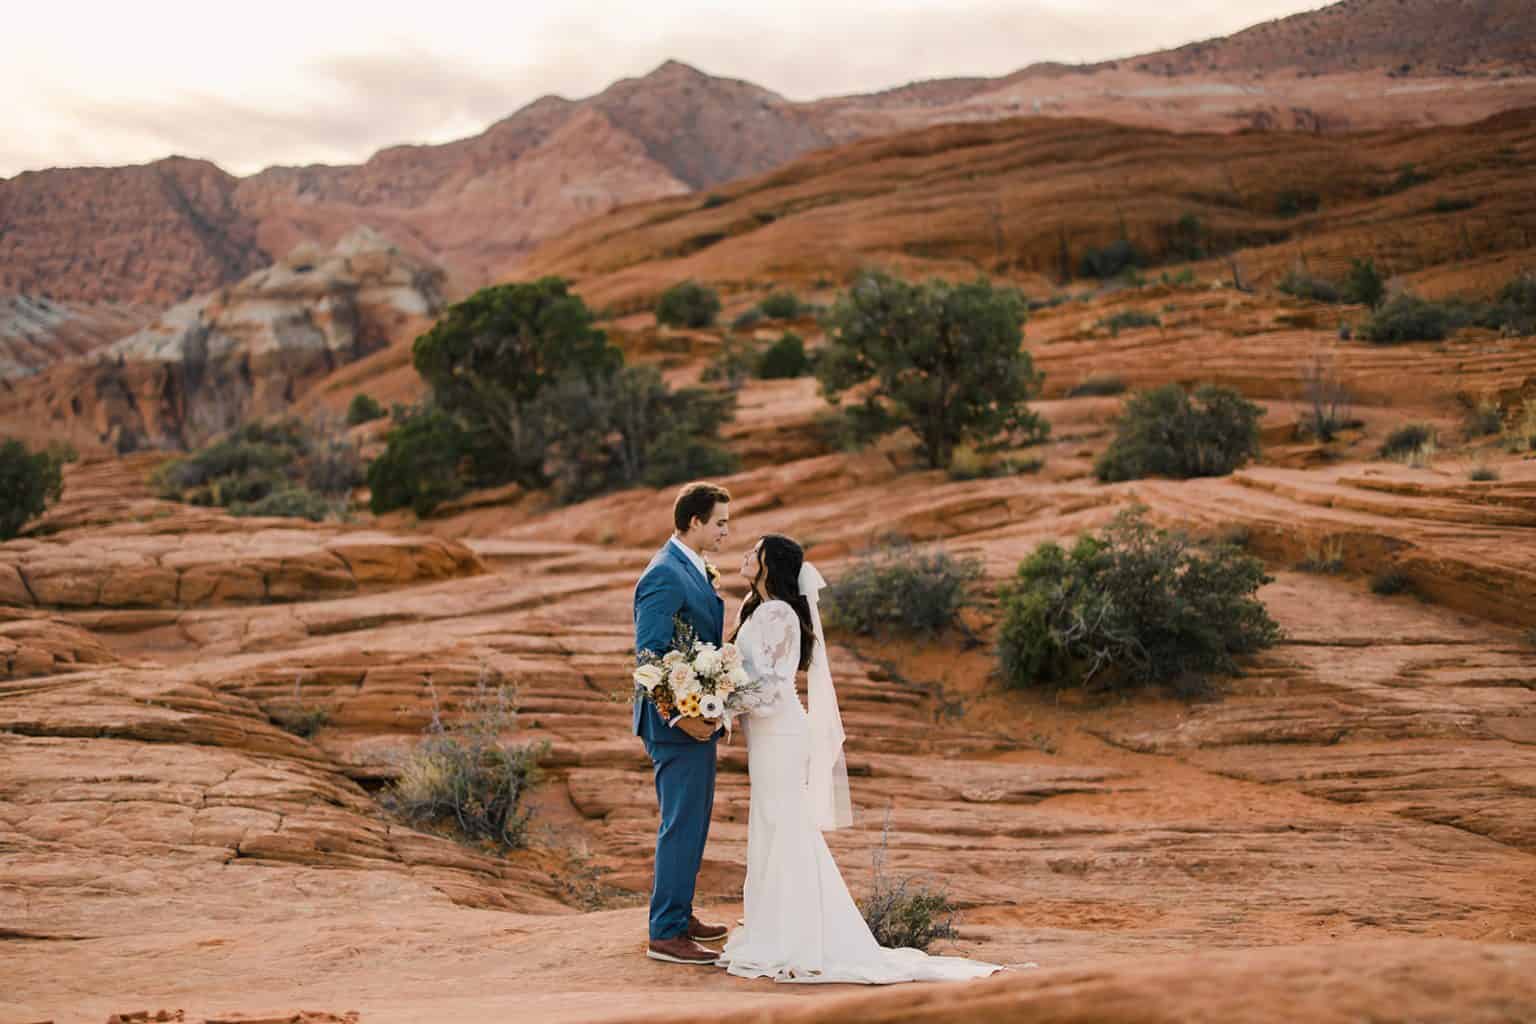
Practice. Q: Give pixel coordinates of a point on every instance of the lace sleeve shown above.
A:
(774, 643)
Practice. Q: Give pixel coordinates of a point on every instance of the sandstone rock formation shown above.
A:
(1346, 828)
(36, 332)
(240, 352)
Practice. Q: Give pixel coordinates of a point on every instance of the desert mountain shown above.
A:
(164, 232)
(1411, 36)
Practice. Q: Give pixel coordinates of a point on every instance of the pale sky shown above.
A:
(333, 81)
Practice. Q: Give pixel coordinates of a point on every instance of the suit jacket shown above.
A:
(671, 586)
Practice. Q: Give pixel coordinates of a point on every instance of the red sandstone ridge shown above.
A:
(239, 352)
(1028, 198)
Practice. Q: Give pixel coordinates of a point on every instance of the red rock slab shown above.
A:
(1476, 983)
(268, 562)
(32, 646)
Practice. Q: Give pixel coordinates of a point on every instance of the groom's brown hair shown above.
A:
(696, 501)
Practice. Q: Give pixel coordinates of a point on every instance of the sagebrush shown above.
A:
(905, 913)
(1166, 432)
(1131, 606)
(902, 589)
(465, 779)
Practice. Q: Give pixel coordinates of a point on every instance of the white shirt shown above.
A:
(693, 556)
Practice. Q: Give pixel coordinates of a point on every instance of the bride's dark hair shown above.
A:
(778, 573)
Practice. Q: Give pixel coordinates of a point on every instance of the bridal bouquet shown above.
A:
(695, 679)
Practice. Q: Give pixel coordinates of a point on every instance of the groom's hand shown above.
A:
(700, 729)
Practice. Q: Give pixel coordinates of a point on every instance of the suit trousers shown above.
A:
(685, 791)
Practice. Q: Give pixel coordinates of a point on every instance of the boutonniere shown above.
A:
(713, 574)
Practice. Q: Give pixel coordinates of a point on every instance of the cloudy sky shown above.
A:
(304, 81)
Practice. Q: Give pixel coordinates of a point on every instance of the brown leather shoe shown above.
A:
(681, 950)
(700, 932)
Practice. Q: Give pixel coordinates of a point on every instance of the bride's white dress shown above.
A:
(801, 923)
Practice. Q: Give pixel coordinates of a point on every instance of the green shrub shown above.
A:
(1391, 581)
(420, 467)
(677, 457)
(630, 430)
(1407, 318)
(945, 361)
(1129, 319)
(906, 590)
(28, 481)
(784, 359)
(1165, 432)
(748, 320)
(713, 200)
(781, 306)
(1407, 439)
(334, 469)
(1365, 284)
(1186, 240)
(363, 409)
(1110, 261)
(738, 359)
(464, 779)
(1295, 203)
(273, 468)
(1515, 310)
(1136, 605)
(904, 913)
(1314, 289)
(525, 390)
(1099, 387)
(1453, 204)
(489, 358)
(1483, 474)
(688, 304)
(295, 502)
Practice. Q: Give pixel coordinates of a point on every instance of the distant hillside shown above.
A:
(1419, 35)
(1034, 198)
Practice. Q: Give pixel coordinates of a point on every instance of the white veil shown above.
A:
(828, 781)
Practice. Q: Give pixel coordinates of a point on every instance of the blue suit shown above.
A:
(684, 768)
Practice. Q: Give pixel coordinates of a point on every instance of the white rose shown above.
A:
(738, 677)
(649, 677)
(683, 681)
(707, 661)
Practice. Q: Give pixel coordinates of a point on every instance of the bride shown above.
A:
(801, 925)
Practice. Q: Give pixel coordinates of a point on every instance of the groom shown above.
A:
(677, 584)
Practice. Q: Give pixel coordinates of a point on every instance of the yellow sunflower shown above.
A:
(689, 705)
